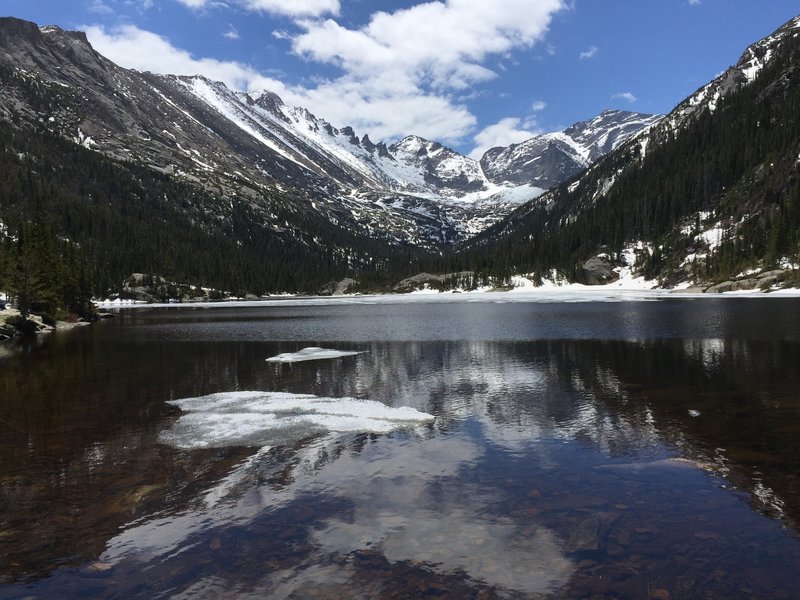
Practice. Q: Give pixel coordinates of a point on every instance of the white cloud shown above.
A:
(99, 7)
(511, 130)
(589, 54)
(194, 3)
(291, 8)
(382, 115)
(403, 72)
(418, 57)
(538, 105)
(231, 34)
(389, 114)
(694, 2)
(627, 96)
(135, 48)
(438, 43)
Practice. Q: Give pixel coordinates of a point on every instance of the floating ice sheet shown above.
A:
(312, 353)
(260, 419)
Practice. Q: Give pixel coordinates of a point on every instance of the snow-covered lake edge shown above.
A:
(568, 293)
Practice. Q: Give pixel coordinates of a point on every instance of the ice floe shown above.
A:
(259, 419)
(311, 353)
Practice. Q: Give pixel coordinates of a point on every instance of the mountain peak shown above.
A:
(414, 144)
(11, 25)
(546, 160)
(25, 45)
(14, 32)
(267, 99)
(79, 36)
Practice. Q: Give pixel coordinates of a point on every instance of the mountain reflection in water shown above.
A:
(555, 467)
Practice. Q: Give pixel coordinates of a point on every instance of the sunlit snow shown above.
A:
(258, 419)
(311, 353)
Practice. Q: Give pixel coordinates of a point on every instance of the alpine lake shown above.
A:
(631, 447)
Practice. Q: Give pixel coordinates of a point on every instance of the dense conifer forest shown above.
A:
(103, 220)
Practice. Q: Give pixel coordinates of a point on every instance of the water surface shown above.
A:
(639, 449)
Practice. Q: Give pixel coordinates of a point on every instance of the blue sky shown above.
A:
(470, 73)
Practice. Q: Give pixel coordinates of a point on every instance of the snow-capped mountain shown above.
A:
(413, 191)
(546, 160)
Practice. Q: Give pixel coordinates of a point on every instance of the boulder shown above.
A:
(770, 278)
(760, 281)
(420, 279)
(599, 270)
(725, 286)
(344, 285)
(338, 288)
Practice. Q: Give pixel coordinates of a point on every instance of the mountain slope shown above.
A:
(711, 192)
(413, 192)
(545, 161)
(124, 218)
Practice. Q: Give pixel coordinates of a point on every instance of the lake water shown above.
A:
(631, 449)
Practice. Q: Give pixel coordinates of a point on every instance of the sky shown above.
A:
(472, 74)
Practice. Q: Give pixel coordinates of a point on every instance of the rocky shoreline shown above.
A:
(11, 321)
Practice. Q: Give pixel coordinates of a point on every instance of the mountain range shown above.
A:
(197, 129)
(294, 201)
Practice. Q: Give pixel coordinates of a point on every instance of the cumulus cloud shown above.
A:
(418, 58)
(403, 72)
(291, 8)
(441, 43)
(505, 132)
(627, 96)
(538, 105)
(142, 50)
(589, 54)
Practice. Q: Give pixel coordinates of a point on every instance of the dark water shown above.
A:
(580, 450)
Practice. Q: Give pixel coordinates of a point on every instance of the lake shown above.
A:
(485, 446)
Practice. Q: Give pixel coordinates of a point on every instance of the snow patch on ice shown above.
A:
(311, 353)
(259, 419)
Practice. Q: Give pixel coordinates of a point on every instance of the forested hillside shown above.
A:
(116, 218)
(732, 168)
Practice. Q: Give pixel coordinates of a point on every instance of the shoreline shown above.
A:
(572, 293)
(543, 294)
(9, 332)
